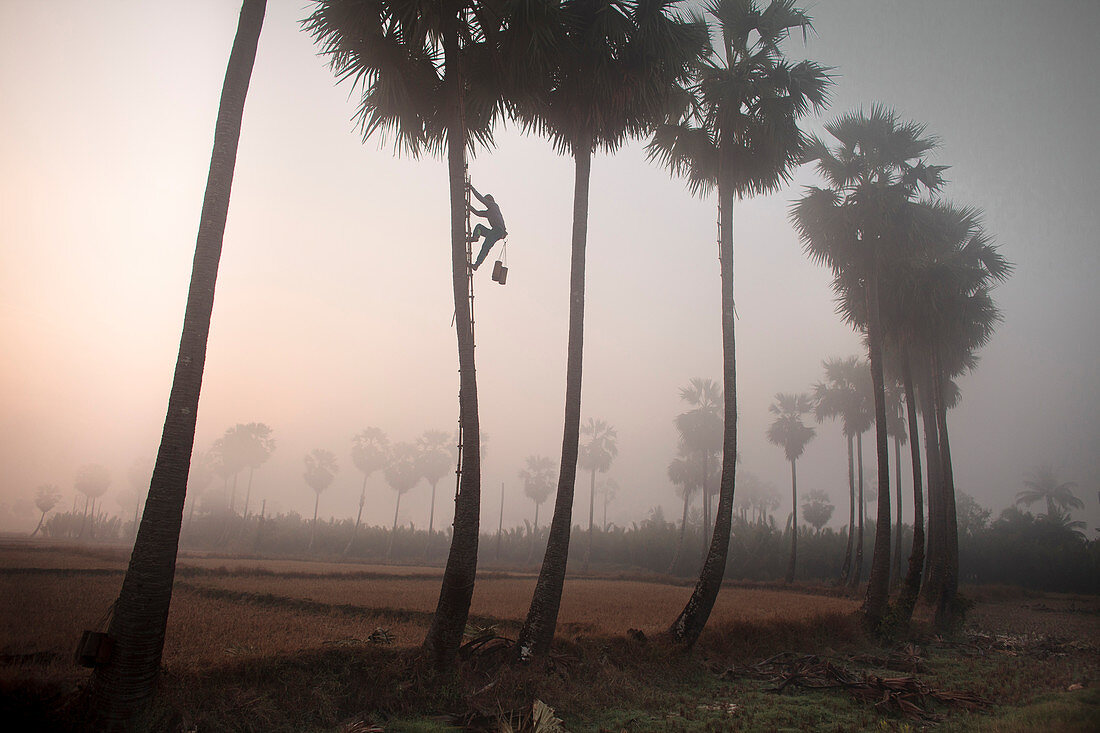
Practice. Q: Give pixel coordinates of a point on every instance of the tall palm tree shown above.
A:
(598, 450)
(141, 611)
(700, 431)
(92, 480)
(615, 68)
(789, 433)
(842, 395)
(435, 461)
(896, 429)
(320, 471)
(1044, 485)
(46, 497)
(538, 481)
(738, 134)
(855, 227)
(369, 450)
(430, 76)
(257, 446)
(402, 472)
(685, 473)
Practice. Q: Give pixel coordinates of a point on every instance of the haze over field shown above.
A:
(334, 296)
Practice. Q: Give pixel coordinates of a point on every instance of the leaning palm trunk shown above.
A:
(672, 567)
(878, 584)
(946, 614)
(794, 525)
(140, 615)
(689, 624)
(542, 618)
(933, 565)
(907, 599)
(358, 517)
(453, 609)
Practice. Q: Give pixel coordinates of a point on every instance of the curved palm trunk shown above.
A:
(689, 624)
(453, 609)
(500, 521)
(907, 599)
(41, 520)
(542, 617)
(946, 615)
(431, 522)
(248, 491)
(857, 574)
(794, 525)
(846, 570)
(591, 516)
(680, 543)
(878, 584)
(137, 626)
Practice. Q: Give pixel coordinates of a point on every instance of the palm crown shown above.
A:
(787, 430)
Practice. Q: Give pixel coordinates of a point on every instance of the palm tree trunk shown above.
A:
(542, 617)
(691, 621)
(137, 626)
(248, 491)
(591, 517)
(907, 599)
(313, 526)
(393, 530)
(934, 562)
(500, 522)
(683, 527)
(946, 614)
(846, 570)
(359, 516)
(453, 609)
(857, 575)
(878, 584)
(794, 525)
(41, 520)
(895, 572)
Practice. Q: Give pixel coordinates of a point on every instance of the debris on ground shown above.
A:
(539, 718)
(906, 695)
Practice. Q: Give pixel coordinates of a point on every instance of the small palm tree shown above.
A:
(402, 472)
(817, 509)
(257, 446)
(598, 450)
(700, 431)
(1044, 485)
(538, 481)
(686, 475)
(789, 433)
(369, 451)
(435, 461)
(737, 133)
(46, 497)
(92, 480)
(320, 471)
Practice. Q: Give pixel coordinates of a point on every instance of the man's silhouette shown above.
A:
(493, 233)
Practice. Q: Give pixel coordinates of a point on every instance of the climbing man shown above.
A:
(494, 232)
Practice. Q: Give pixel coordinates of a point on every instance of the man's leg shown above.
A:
(491, 237)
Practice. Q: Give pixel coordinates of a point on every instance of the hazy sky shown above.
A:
(334, 298)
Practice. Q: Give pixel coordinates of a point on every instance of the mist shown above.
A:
(333, 310)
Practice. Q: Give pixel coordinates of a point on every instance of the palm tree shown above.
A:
(596, 454)
(685, 473)
(817, 509)
(538, 481)
(855, 227)
(369, 451)
(842, 395)
(615, 66)
(789, 433)
(92, 480)
(896, 429)
(1044, 485)
(701, 432)
(256, 447)
(402, 472)
(430, 76)
(609, 489)
(141, 611)
(435, 460)
(738, 134)
(46, 497)
(320, 471)
(198, 478)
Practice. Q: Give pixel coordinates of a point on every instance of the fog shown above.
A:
(333, 309)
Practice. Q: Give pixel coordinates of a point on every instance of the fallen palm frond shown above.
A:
(905, 659)
(908, 695)
(1040, 646)
(539, 718)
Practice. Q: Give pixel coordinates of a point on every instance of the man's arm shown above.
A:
(479, 198)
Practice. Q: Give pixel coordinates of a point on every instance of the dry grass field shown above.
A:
(236, 624)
